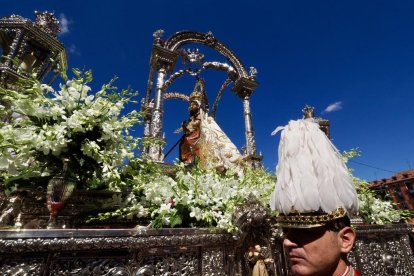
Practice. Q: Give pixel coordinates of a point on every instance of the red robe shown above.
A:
(189, 146)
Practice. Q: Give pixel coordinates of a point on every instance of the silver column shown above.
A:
(156, 151)
(14, 47)
(250, 141)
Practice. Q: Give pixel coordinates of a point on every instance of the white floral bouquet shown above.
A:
(200, 197)
(42, 126)
(209, 198)
(185, 197)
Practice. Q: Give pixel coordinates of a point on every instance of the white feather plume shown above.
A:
(311, 174)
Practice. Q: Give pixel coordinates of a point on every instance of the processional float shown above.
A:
(379, 250)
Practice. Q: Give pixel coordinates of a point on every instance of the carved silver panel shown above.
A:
(383, 251)
(17, 266)
(213, 261)
(185, 263)
(117, 263)
(379, 250)
(84, 265)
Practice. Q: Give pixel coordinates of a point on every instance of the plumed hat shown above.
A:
(314, 186)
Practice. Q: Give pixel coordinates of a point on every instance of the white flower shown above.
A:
(165, 208)
(46, 88)
(89, 99)
(141, 212)
(166, 220)
(4, 162)
(196, 213)
(91, 149)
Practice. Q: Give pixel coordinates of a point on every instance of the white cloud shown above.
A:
(73, 50)
(64, 24)
(333, 107)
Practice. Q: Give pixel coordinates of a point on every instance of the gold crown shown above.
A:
(198, 93)
(309, 220)
(196, 96)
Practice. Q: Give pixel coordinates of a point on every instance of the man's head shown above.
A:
(319, 250)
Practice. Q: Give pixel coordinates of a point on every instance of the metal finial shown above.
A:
(157, 37)
(47, 22)
(253, 72)
(158, 33)
(308, 112)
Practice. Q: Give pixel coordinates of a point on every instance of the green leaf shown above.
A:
(76, 72)
(175, 220)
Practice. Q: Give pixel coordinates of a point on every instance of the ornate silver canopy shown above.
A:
(29, 47)
(164, 56)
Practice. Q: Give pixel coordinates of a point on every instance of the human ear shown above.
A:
(346, 238)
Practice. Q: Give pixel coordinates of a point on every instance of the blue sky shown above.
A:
(357, 56)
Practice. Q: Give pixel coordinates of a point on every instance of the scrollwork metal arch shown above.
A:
(186, 37)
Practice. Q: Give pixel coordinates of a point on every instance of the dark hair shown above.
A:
(339, 224)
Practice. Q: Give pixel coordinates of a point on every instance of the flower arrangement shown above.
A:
(42, 127)
(195, 197)
(44, 130)
(200, 197)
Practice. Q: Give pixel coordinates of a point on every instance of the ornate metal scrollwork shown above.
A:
(116, 252)
(223, 87)
(379, 250)
(181, 38)
(176, 95)
(383, 250)
(47, 22)
(213, 262)
(18, 266)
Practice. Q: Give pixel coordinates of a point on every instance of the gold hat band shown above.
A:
(309, 220)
